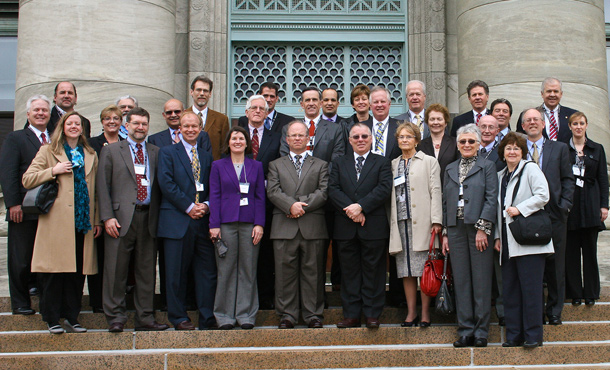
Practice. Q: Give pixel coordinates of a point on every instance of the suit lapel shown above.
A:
(209, 122)
(444, 146)
(320, 131)
(366, 168)
(33, 138)
(126, 154)
(264, 144)
(152, 160)
(307, 163)
(184, 159)
(547, 152)
(391, 142)
(167, 138)
(289, 166)
(230, 170)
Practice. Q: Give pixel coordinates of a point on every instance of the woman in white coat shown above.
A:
(522, 266)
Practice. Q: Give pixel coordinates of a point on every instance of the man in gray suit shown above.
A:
(297, 186)
(129, 209)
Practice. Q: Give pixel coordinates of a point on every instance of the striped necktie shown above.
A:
(552, 126)
(196, 170)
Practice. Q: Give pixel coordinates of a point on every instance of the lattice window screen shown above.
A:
(300, 6)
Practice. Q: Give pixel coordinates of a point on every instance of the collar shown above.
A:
(133, 143)
(60, 111)
(375, 121)
(258, 129)
(187, 145)
(38, 132)
(303, 155)
(538, 143)
(315, 121)
(365, 155)
(414, 115)
(332, 119)
(490, 147)
(197, 111)
(483, 113)
(547, 109)
(504, 132)
(271, 115)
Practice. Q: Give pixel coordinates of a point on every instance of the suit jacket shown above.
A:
(495, 158)
(328, 144)
(269, 148)
(391, 146)
(164, 138)
(117, 188)
(55, 117)
(372, 190)
(178, 188)
(407, 117)
(285, 187)
(447, 153)
(480, 192)
(98, 142)
(279, 121)
(225, 193)
(18, 151)
(557, 168)
(564, 135)
(464, 119)
(217, 127)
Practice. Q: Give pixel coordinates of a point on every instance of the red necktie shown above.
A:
(43, 137)
(255, 145)
(312, 133)
(479, 115)
(142, 193)
(552, 126)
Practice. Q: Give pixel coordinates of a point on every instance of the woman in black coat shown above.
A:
(439, 144)
(589, 211)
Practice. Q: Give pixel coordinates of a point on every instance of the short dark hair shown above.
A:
(241, 130)
(61, 82)
(311, 88)
(269, 85)
(204, 79)
(137, 111)
(515, 139)
(335, 90)
(477, 83)
(501, 101)
(359, 90)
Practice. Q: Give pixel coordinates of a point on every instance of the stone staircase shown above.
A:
(582, 342)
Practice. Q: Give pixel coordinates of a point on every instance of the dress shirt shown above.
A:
(60, 111)
(133, 150)
(502, 133)
(385, 134)
(413, 116)
(271, 117)
(188, 148)
(315, 122)
(331, 119)
(530, 150)
(490, 147)
(259, 132)
(303, 155)
(474, 115)
(365, 155)
(204, 113)
(38, 133)
(547, 123)
(171, 134)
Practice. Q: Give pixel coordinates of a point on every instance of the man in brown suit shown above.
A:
(297, 186)
(215, 123)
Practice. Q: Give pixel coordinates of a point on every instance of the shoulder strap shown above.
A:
(516, 189)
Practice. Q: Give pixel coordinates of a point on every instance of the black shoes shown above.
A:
(576, 302)
(532, 344)
(589, 301)
(480, 342)
(464, 342)
(512, 343)
(24, 311)
(554, 320)
(408, 324)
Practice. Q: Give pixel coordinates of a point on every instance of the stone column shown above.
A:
(107, 49)
(208, 24)
(514, 45)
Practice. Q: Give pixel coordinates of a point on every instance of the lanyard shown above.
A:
(135, 158)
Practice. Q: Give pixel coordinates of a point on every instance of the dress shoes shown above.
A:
(532, 344)
(348, 323)
(372, 323)
(424, 324)
(34, 291)
(554, 320)
(247, 326)
(226, 327)
(480, 342)
(408, 324)
(286, 324)
(74, 327)
(97, 310)
(576, 302)
(512, 343)
(315, 324)
(464, 342)
(24, 311)
(55, 328)
(116, 327)
(185, 325)
(589, 302)
(153, 326)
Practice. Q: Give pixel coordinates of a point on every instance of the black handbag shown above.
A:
(40, 199)
(445, 303)
(534, 229)
(221, 247)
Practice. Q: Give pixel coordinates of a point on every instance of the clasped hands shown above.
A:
(354, 212)
(199, 210)
(296, 210)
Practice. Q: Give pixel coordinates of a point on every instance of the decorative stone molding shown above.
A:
(197, 43)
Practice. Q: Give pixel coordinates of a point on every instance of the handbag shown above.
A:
(40, 199)
(221, 247)
(445, 303)
(432, 275)
(534, 229)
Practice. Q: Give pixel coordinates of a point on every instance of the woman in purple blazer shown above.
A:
(237, 215)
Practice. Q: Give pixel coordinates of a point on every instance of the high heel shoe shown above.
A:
(424, 324)
(408, 324)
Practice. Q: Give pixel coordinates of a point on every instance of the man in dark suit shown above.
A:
(359, 186)
(330, 104)
(489, 144)
(553, 159)
(416, 98)
(275, 121)
(18, 151)
(478, 95)
(555, 115)
(297, 186)
(129, 209)
(183, 175)
(502, 110)
(215, 123)
(172, 110)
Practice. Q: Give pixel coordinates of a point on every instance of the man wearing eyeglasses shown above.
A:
(489, 144)
(275, 121)
(172, 110)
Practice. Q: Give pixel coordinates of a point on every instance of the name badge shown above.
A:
(140, 169)
(200, 187)
(461, 203)
(580, 182)
(461, 190)
(244, 187)
(145, 182)
(243, 202)
(399, 180)
(577, 171)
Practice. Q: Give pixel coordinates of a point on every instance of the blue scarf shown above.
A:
(82, 222)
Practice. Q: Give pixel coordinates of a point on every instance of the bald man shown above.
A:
(171, 113)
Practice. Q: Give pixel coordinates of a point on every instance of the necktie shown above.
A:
(483, 151)
(379, 138)
(196, 170)
(297, 164)
(268, 123)
(535, 154)
(500, 137)
(553, 126)
(255, 144)
(312, 134)
(479, 115)
(331, 120)
(201, 116)
(142, 193)
(359, 166)
(176, 136)
(43, 137)
(419, 124)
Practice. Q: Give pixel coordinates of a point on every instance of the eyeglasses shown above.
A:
(469, 141)
(298, 136)
(406, 137)
(358, 137)
(115, 119)
(255, 108)
(170, 112)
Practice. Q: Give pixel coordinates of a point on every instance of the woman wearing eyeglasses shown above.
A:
(470, 194)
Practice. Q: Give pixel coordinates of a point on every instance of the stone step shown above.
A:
(575, 355)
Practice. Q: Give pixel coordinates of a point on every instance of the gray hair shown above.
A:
(470, 128)
(296, 122)
(135, 101)
(380, 88)
(536, 109)
(255, 97)
(550, 79)
(28, 104)
(423, 86)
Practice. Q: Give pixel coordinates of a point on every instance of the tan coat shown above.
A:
(54, 248)
(426, 202)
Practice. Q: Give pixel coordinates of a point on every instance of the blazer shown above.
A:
(178, 188)
(279, 121)
(54, 247)
(269, 148)
(593, 195)
(447, 153)
(164, 138)
(406, 117)
(372, 190)
(225, 193)
(285, 187)
(217, 127)
(564, 135)
(480, 192)
(532, 195)
(18, 151)
(464, 119)
(328, 144)
(495, 158)
(117, 188)
(426, 202)
(98, 142)
(391, 146)
(557, 168)
(55, 117)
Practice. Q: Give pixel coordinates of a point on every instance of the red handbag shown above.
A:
(432, 276)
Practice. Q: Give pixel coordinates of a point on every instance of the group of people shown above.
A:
(243, 216)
